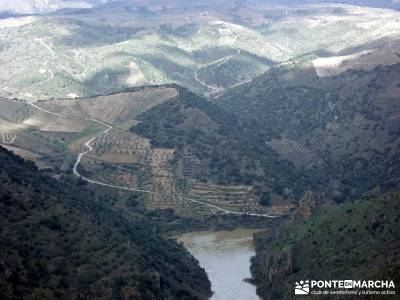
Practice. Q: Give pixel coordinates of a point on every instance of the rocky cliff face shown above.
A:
(271, 267)
(274, 266)
(307, 205)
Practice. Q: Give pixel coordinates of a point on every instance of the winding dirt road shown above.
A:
(219, 62)
(41, 42)
(90, 148)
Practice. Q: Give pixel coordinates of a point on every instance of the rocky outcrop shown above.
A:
(275, 266)
(307, 205)
(271, 267)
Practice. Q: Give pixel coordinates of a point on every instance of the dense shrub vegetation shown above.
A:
(59, 240)
(357, 240)
(349, 122)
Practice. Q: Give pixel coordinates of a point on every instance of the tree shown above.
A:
(265, 199)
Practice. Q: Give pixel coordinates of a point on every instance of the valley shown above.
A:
(147, 141)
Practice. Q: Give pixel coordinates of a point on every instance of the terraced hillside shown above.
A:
(207, 48)
(218, 155)
(53, 133)
(51, 140)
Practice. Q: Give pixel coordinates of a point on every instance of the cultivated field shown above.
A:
(119, 157)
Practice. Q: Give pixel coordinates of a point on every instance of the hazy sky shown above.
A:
(43, 6)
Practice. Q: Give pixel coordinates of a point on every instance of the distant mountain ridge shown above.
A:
(49, 6)
(203, 46)
(45, 6)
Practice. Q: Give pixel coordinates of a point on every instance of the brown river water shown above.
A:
(225, 256)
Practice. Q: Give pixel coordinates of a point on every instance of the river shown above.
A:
(225, 255)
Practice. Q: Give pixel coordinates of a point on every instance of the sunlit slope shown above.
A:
(44, 6)
(48, 139)
(208, 50)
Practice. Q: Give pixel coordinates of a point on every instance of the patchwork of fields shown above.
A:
(119, 157)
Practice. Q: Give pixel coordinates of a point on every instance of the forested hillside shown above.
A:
(346, 126)
(357, 240)
(58, 240)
